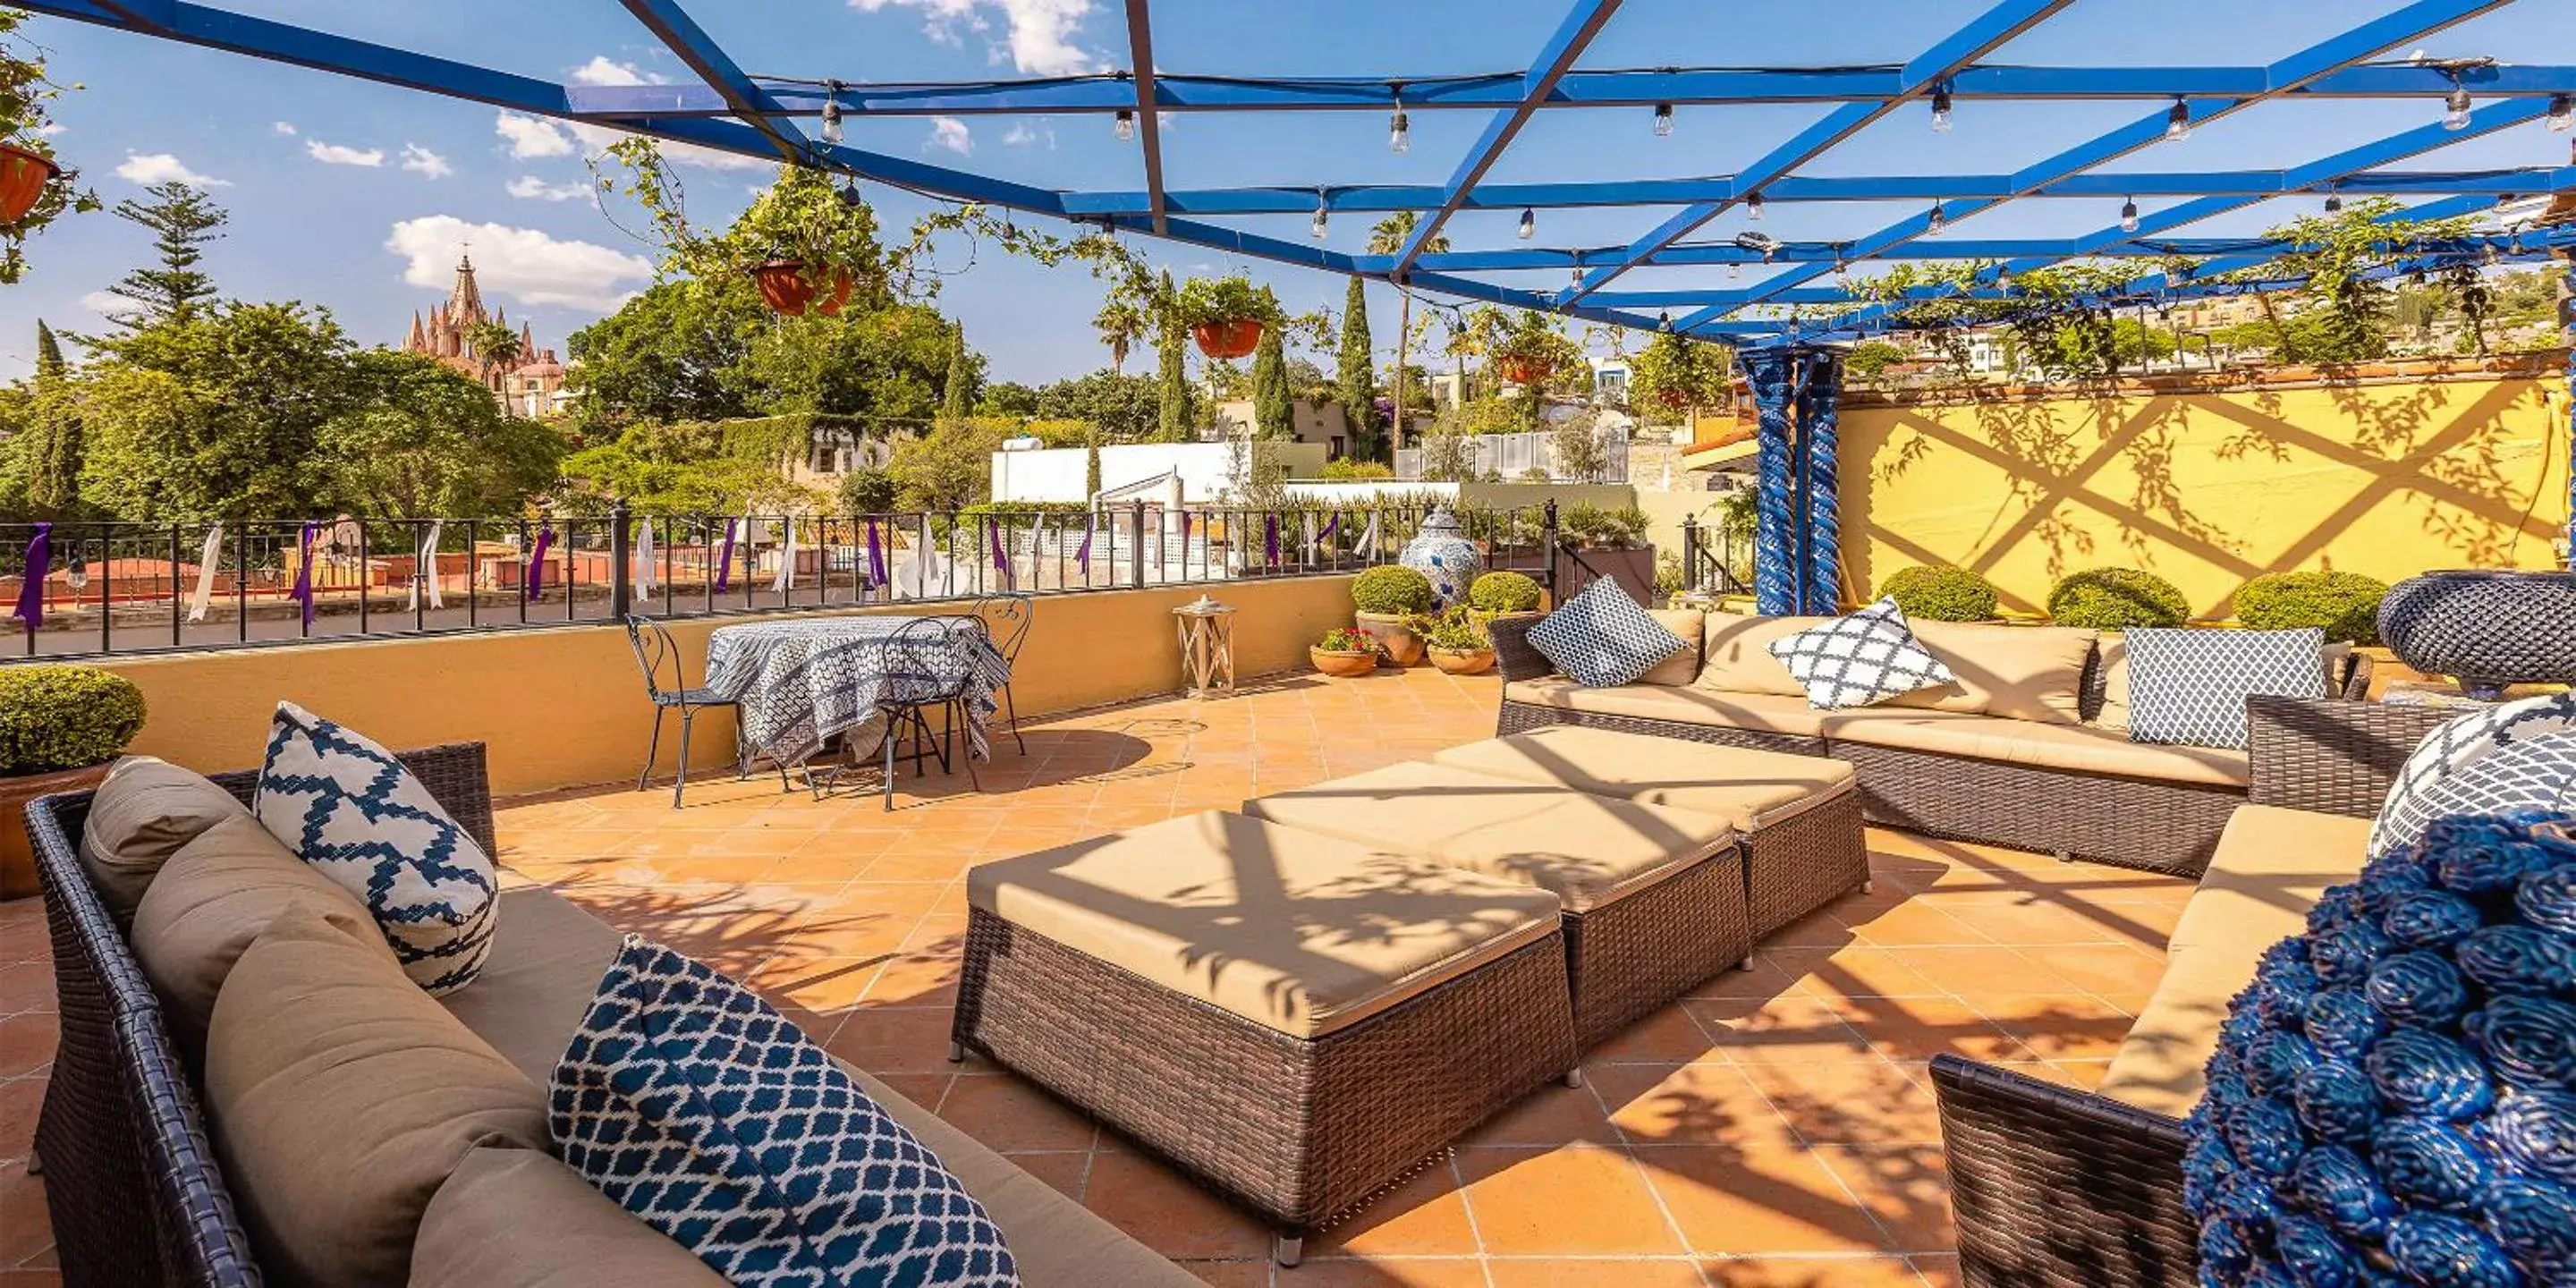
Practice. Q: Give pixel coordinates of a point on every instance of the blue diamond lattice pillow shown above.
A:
(2393, 1100)
(706, 1114)
(2452, 749)
(1867, 656)
(1601, 638)
(349, 808)
(2188, 687)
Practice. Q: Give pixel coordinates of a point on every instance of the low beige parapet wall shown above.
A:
(565, 706)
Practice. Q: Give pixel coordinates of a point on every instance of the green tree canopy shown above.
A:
(1357, 383)
(425, 441)
(50, 454)
(957, 384)
(670, 354)
(1272, 417)
(1175, 420)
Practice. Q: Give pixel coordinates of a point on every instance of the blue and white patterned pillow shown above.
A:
(2422, 792)
(1867, 656)
(1601, 638)
(706, 1114)
(2188, 687)
(349, 808)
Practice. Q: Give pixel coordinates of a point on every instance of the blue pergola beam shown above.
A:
(152, 14)
(682, 35)
(1149, 111)
(1554, 61)
(1990, 31)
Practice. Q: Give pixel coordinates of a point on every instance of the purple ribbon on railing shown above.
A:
(1270, 539)
(1185, 534)
(303, 592)
(1331, 526)
(724, 561)
(876, 557)
(536, 577)
(1001, 560)
(1083, 555)
(31, 584)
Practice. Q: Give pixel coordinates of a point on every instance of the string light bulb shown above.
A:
(2562, 113)
(1399, 131)
(850, 192)
(1941, 110)
(2455, 108)
(1529, 224)
(1735, 271)
(831, 111)
(1323, 224)
(1842, 267)
(2334, 202)
(2178, 121)
(1753, 207)
(2129, 215)
(1664, 320)
(1934, 223)
(1663, 120)
(1124, 126)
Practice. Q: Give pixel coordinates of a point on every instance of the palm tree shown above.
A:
(1120, 325)
(1389, 238)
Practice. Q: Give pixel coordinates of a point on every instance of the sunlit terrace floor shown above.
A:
(1775, 1129)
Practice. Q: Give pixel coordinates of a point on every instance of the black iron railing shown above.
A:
(1713, 561)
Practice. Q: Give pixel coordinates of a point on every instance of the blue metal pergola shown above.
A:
(768, 116)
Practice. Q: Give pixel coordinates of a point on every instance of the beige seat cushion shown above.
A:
(1750, 789)
(211, 900)
(547, 959)
(1683, 667)
(1590, 850)
(2115, 678)
(2271, 866)
(341, 1097)
(2017, 672)
(2084, 749)
(516, 1218)
(142, 814)
(2159, 1065)
(1762, 712)
(1737, 653)
(1303, 933)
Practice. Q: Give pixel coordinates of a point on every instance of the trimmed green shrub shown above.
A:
(1392, 590)
(2113, 599)
(1616, 529)
(2344, 604)
(1504, 592)
(64, 717)
(1940, 594)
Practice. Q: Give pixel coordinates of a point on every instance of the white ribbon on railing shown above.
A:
(1368, 538)
(786, 579)
(644, 568)
(207, 556)
(424, 567)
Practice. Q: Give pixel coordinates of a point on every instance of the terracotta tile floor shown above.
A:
(1774, 1129)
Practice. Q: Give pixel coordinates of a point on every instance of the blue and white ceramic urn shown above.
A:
(1443, 553)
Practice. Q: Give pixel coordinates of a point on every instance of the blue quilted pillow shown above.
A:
(349, 808)
(706, 1114)
(1602, 638)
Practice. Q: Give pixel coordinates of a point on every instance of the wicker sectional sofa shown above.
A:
(2037, 725)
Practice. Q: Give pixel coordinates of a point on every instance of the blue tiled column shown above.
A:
(1821, 524)
(1775, 580)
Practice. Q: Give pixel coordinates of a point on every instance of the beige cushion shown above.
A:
(2271, 866)
(144, 811)
(2084, 749)
(1590, 850)
(1305, 934)
(341, 1097)
(516, 1218)
(211, 900)
(2016, 672)
(2115, 678)
(2158, 1066)
(1682, 667)
(1737, 653)
(1762, 712)
(1750, 789)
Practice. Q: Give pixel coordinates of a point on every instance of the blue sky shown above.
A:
(353, 195)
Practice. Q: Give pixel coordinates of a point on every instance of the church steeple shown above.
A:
(465, 301)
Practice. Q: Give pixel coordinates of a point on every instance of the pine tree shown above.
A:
(53, 448)
(1358, 390)
(183, 221)
(1271, 415)
(954, 403)
(1175, 426)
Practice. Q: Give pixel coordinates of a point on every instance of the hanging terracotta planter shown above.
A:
(23, 176)
(1229, 339)
(1525, 369)
(786, 289)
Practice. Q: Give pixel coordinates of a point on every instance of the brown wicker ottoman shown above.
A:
(1799, 817)
(1293, 1020)
(1654, 896)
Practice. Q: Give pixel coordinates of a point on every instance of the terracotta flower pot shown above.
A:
(23, 176)
(1462, 661)
(1522, 369)
(17, 855)
(1341, 663)
(1227, 339)
(1394, 634)
(788, 292)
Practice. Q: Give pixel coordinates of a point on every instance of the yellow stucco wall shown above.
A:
(565, 706)
(2209, 489)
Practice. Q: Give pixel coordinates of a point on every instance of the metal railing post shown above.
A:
(621, 554)
(1547, 546)
(1690, 552)
(1136, 547)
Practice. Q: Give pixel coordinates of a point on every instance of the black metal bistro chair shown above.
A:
(1005, 620)
(921, 675)
(657, 653)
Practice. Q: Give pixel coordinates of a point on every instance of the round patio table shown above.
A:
(802, 682)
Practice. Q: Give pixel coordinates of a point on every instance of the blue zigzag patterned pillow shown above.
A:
(706, 1114)
(349, 808)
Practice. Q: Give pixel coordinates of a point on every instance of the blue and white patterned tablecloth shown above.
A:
(802, 682)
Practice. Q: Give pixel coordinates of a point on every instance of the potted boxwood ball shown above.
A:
(1504, 594)
(1344, 652)
(1387, 600)
(60, 727)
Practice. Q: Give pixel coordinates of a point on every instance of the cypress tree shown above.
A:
(1271, 415)
(1175, 426)
(1358, 389)
(53, 450)
(954, 405)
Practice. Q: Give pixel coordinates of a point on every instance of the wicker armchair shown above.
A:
(2060, 1188)
(133, 1187)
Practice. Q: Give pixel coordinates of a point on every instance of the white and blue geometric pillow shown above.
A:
(2188, 687)
(1865, 657)
(706, 1114)
(1601, 638)
(2455, 746)
(349, 808)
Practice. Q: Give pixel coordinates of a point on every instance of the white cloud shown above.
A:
(286, 128)
(528, 187)
(950, 133)
(334, 154)
(50, 128)
(602, 70)
(1021, 135)
(161, 167)
(1040, 41)
(421, 161)
(533, 136)
(525, 264)
(106, 305)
